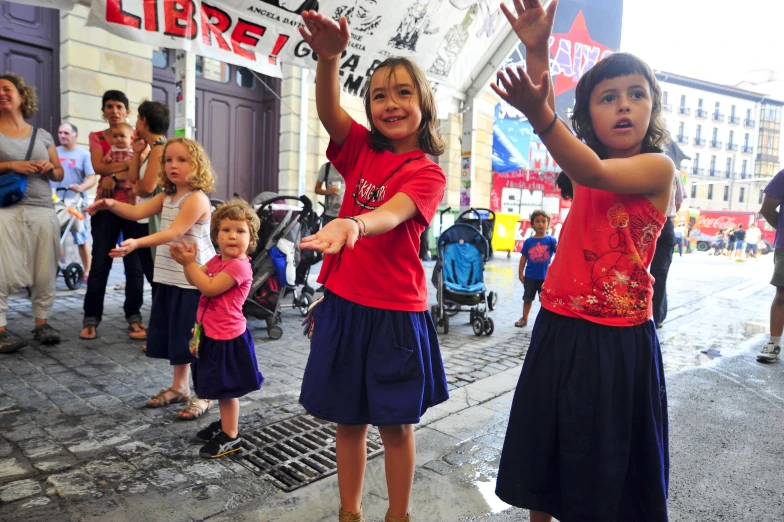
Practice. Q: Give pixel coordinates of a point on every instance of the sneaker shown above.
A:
(9, 343)
(220, 445)
(210, 432)
(46, 334)
(770, 353)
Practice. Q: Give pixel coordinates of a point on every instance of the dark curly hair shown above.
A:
(26, 91)
(615, 65)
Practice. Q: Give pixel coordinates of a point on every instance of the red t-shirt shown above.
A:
(97, 139)
(383, 271)
(600, 272)
(223, 319)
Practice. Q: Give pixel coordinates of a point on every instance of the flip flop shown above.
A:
(92, 334)
(521, 323)
(137, 331)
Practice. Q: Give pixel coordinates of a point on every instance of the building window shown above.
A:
(697, 159)
(746, 140)
(732, 111)
(741, 194)
(729, 167)
(726, 193)
(699, 131)
(680, 130)
(731, 138)
(715, 134)
(743, 167)
(694, 191)
(713, 166)
(683, 100)
(160, 58)
(245, 78)
(212, 69)
(710, 191)
(716, 107)
(666, 95)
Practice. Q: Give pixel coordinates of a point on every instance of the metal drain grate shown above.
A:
(296, 451)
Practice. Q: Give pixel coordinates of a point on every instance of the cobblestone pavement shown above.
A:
(77, 442)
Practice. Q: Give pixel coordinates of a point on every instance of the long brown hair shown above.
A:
(429, 139)
(615, 65)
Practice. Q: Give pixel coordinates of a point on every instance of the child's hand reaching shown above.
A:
(332, 237)
(325, 36)
(125, 248)
(100, 204)
(522, 94)
(183, 253)
(532, 24)
(107, 158)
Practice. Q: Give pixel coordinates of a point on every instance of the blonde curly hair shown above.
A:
(202, 177)
(236, 210)
(26, 91)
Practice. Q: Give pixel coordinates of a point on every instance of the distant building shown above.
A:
(731, 135)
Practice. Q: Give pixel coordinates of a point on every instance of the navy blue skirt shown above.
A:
(588, 438)
(172, 317)
(371, 366)
(226, 369)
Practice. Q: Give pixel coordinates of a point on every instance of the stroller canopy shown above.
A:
(463, 251)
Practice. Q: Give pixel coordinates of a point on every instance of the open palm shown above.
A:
(325, 36)
(533, 25)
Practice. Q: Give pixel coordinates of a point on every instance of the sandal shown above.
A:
(159, 400)
(194, 410)
(91, 332)
(137, 331)
(521, 323)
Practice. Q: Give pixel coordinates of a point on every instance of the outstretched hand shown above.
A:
(520, 92)
(532, 24)
(99, 205)
(125, 248)
(327, 38)
(332, 237)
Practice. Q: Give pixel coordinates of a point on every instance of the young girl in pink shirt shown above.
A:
(225, 367)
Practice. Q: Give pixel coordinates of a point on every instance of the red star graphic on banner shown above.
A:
(566, 77)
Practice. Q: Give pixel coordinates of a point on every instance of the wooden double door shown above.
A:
(237, 122)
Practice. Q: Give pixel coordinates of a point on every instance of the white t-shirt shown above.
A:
(332, 202)
(753, 236)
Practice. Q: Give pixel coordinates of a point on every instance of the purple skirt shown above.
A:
(226, 369)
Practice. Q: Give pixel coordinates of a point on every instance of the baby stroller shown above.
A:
(459, 278)
(718, 245)
(275, 259)
(482, 219)
(71, 217)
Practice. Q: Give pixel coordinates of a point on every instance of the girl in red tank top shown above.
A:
(588, 438)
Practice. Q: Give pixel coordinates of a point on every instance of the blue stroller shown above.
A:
(459, 278)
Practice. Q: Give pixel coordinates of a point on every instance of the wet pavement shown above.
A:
(77, 443)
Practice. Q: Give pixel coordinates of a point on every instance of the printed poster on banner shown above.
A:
(262, 34)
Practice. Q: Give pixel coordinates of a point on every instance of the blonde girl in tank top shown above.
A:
(185, 177)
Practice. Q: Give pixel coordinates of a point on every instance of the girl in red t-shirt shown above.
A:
(588, 435)
(374, 355)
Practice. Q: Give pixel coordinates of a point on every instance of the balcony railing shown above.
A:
(701, 113)
(684, 110)
(698, 171)
(728, 175)
(745, 175)
(683, 139)
(717, 116)
(746, 149)
(714, 172)
(699, 141)
(749, 123)
(732, 146)
(667, 107)
(734, 120)
(715, 144)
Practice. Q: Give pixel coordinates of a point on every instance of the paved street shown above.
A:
(77, 443)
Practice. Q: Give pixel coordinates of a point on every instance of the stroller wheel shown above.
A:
(305, 300)
(308, 290)
(489, 326)
(275, 332)
(74, 276)
(451, 309)
(492, 300)
(478, 326)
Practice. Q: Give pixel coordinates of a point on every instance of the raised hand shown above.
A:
(125, 248)
(332, 237)
(520, 92)
(100, 204)
(325, 36)
(532, 24)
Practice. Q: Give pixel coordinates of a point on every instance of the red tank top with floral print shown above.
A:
(600, 272)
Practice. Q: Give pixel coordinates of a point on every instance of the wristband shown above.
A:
(549, 127)
(360, 225)
(114, 177)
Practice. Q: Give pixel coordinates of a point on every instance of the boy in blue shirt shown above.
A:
(537, 253)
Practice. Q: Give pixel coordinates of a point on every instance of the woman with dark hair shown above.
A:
(29, 231)
(106, 228)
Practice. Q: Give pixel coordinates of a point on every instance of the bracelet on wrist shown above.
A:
(549, 127)
(361, 228)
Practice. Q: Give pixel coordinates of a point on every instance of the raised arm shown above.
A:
(328, 39)
(148, 179)
(130, 212)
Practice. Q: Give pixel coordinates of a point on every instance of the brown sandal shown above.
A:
(91, 332)
(159, 400)
(521, 323)
(194, 410)
(137, 331)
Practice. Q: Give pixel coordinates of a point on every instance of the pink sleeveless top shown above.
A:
(600, 272)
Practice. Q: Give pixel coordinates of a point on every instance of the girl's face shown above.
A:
(395, 107)
(620, 113)
(233, 238)
(115, 112)
(540, 224)
(10, 99)
(177, 164)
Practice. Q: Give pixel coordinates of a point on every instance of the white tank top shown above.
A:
(167, 270)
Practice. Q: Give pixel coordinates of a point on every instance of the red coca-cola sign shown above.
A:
(719, 222)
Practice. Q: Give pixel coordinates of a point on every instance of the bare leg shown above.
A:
(351, 449)
(399, 463)
(539, 516)
(181, 374)
(777, 313)
(526, 309)
(230, 416)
